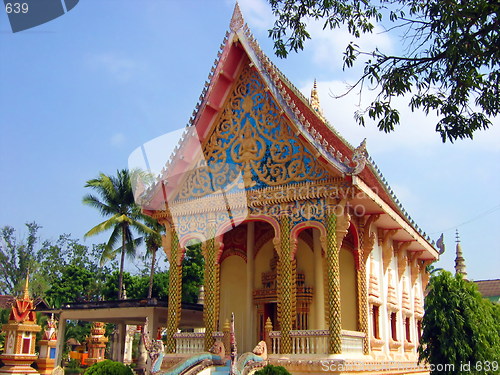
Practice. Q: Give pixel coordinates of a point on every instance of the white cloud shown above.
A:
(117, 139)
(415, 133)
(327, 46)
(257, 13)
(122, 69)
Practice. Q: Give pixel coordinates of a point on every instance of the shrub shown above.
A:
(273, 370)
(108, 367)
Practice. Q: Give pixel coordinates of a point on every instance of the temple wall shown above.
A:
(262, 260)
(233, 298)
(348, 293)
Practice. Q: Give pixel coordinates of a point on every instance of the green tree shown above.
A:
(76, 285)
(45, 260)
(449, 62)
(131, 285)
(192, 273)
(17, 257)
(136, 286)
(116, 201)
(459, 327)
(153, 243)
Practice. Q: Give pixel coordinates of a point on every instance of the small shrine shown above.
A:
(20, 336)
(47, 357)
(96, 343)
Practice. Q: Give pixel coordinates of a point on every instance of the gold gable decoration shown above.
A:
(251, 137)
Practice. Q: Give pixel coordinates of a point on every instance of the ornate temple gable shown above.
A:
(274, 180)
(251, 137)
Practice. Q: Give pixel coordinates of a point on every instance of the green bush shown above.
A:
(108, 367)
(273, 370)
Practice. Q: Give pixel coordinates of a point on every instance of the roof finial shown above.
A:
(460, 267)
(237, 20)
(26, 296)
(315, 100)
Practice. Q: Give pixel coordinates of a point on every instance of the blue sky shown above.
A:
(80, 93)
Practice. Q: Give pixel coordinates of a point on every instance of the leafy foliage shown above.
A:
(449, 62)
(153, 243)
(136, 286)
(115, 200)
(272, 370)
(17, 257)
(45, 260)
(108, 367)
(460, 327)
(192, 273)
(77, 284)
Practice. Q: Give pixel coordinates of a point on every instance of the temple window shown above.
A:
(26, 342)
(419, 329)
(394, 330)
(375, 322)
(407, 329)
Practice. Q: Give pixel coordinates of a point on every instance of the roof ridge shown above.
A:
(300, 95)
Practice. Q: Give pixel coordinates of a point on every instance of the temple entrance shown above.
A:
(264, 312)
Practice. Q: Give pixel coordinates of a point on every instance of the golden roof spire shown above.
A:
(460, 267)
(26, 287)
(237, 20)
(315, 100)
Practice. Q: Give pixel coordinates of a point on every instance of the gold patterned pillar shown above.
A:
(362, 300)
(286, 277)
(367, 240)
(211, 250)
(174, 255)
(337, 224)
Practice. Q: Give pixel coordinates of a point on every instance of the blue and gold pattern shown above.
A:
(251, 137)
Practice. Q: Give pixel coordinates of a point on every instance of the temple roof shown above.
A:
(489, 288)
(239, 47)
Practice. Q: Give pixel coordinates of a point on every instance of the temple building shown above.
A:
(302, 237)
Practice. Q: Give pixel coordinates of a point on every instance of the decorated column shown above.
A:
(286, 288)
(174, 255)
(211, 250)
(20, 337)
(337, 224)
(367, 240)
(47, 358)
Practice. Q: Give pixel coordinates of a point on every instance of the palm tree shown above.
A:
(116, 202)
(153, 243)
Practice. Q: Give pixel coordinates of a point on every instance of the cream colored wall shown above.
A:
(348, 291)
(262, 261)
(233, 298)
(305, 264)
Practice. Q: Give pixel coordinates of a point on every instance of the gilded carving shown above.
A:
(392, 300)
(287, 286)
(343, 221)
(333, 302)
(400, 250)
(384, 237)
(425, 274)
(174, 288)
(253, 138)
(368, 236)
(415, 265)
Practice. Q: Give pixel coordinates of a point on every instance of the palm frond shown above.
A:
(103, 207)
(102, 227)
(109, 253)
